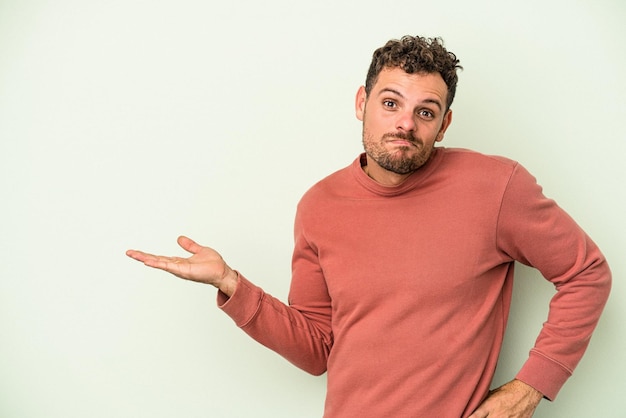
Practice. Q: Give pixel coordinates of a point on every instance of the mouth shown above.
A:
(402, 143)
(402, 140)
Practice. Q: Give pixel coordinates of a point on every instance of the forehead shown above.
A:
(411, 85)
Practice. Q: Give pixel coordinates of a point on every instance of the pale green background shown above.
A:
(126, 123)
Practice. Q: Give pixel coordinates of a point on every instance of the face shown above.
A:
(403, 116)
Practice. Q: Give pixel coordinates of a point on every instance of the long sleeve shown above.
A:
(535, 231)
(300, 331)
(303, 340)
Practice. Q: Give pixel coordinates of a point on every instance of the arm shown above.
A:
(297, 333)
(535, 231)
(300, 332)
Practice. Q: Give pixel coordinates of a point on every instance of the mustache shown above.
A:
(404, 136)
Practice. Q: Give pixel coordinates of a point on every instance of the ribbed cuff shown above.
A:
(244, 303)
(544, 374)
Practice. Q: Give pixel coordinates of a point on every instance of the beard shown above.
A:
(403, 160)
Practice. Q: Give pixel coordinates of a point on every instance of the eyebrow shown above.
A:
(396, 92)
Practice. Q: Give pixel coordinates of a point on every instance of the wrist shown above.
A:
(229, 281)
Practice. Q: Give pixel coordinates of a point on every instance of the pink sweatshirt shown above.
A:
(402, 293)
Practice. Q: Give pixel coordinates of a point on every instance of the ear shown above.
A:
(359, 105)
(447, 120)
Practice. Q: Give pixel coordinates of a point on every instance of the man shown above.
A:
(403, 264)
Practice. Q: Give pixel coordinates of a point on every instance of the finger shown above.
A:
(151, 260)
(139, 255)
(189, 245)
(481, 412)
(169, 264)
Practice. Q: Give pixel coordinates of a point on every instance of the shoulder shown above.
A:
(468, 171)
(477, 160)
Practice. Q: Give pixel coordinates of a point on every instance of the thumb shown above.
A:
(188, 244)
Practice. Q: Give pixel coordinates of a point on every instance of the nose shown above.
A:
(406, 122)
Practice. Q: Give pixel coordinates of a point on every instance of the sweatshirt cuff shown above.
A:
(544, 374)
(243, 304)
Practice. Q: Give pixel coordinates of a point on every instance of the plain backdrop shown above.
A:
(124, 124)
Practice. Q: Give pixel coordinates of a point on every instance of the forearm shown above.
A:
(302, 339)
(574, 313)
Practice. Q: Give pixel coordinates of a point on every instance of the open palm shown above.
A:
(205, 264)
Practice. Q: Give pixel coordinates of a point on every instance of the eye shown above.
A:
(390, 104)
(426, 114)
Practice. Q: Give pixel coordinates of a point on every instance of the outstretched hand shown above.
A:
(515, 399)
(204, 266)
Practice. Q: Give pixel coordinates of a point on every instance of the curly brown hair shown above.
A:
(415, 54)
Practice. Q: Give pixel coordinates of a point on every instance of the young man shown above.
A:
(403, 264)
